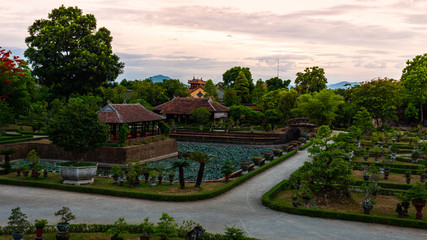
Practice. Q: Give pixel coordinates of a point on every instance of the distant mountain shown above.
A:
(341, 85)
(159, 78)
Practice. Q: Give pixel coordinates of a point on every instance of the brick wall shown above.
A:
(103, 155)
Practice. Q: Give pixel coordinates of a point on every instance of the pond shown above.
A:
(221, 152)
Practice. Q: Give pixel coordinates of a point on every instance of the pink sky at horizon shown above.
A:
(352, 40)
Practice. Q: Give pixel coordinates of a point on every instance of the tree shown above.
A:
(259, 91)
(277, 83)
(241, 87)
(231, 98)
(202, 159)
(173, 88)
(181, 164)
(328, 175)
(287, 100)
(363, 120)
(200, 115)
(210, 90)
(381, 97)
(6, 115)
(77, 129)
(16, 83)
(321, 107)
(273, 116)
(230, 76)
(411, 112)
(312, 80)
(69, 55)
(414, 79)
(269, 100)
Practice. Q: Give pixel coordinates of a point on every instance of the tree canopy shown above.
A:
(321, 107)
(414, 79)
(77, 129)
(241, 86)
(69, 55)
(230, 76)
(200, 115)
(311, 80)
(210, 90)
(381, 97)
(277, 83)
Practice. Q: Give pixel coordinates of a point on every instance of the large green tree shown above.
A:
(231, 97)
(381, 97)
(286, 102)
(414, 79)
(77, 129)
(210, 90)
(277, 83)
(321, 107)
(259, 91)
(230, 76)
(311, 80)
(69, 55)
(241, 86)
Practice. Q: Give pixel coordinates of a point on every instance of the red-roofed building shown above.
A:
(179, 108)
(142, 122)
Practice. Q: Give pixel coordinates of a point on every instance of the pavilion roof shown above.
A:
(180, 105)
(127, 113)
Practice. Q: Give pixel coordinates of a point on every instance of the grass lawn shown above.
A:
(107, 183)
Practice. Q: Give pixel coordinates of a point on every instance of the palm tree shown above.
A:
(202, 159)
(181, 164)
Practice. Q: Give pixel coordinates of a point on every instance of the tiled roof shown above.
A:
(127, 113)
(180, 105)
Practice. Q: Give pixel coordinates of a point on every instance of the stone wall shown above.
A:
(47, 150)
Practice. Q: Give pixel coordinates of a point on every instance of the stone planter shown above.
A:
(78, 175)
(419, 206)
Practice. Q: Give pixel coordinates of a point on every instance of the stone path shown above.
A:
(240, 207)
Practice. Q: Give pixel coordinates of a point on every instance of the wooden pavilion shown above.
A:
(179, 109)
(142, 122)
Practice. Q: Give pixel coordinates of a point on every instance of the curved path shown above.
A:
(240, 207)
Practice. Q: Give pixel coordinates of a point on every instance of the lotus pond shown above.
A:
(221, 152)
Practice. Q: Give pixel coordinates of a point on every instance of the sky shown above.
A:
(352, 40)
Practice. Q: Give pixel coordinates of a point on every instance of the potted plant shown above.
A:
(63, 224)
(408, 176)
(153, 176)
(171, 176)
(131, 175)
(116, 171)
(35, 170)
(18, 222)
(415, 155)
(367, 203)
(268, 156)
(405, 202)
(277, 152)
(118, 228)
(25, 171)
(418, 195)
(365, 155)
(39, 224)
(244, 166)
(227, 170)
(256, 160)
(147, 229)
(160, 171)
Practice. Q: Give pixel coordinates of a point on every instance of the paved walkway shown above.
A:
(240, 207)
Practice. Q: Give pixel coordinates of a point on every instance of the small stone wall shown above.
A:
(46, 150)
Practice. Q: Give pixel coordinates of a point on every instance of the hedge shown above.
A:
(402, 222)
(151, 196)
(22, 140)
(101, 228)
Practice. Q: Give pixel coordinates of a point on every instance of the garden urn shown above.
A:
(419, 206)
